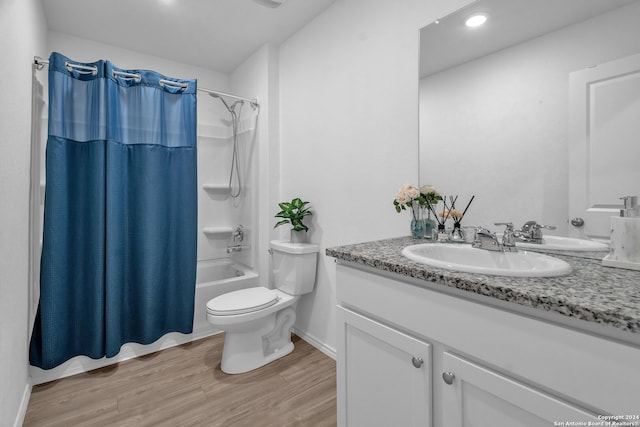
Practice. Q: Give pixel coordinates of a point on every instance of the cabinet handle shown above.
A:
(448, 377)
(417, 362)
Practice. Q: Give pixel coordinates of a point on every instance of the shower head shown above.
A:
(232, 107)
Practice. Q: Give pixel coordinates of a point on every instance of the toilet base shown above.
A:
(263, 342)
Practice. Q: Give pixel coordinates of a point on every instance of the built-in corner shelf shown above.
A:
(216, 188)
(217, 232)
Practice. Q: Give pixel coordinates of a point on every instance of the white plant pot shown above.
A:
(298, 236)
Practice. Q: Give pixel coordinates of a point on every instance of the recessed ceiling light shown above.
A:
(476, 20)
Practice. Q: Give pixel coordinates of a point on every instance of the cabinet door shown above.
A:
(480, 397)
(384, 376)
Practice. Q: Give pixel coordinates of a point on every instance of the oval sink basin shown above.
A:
(559, 243)
(465, 258)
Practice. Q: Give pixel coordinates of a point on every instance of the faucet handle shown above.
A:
(529, 225)
(548, 227)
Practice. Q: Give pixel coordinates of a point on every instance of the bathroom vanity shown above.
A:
(422, 346)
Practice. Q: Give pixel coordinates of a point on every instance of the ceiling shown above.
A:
(214, 34)
(450, 43)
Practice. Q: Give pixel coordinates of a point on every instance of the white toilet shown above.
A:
(258, 321)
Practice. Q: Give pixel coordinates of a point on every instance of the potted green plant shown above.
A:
(293, 213)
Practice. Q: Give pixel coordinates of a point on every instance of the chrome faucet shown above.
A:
(485, 239)
(236, 248)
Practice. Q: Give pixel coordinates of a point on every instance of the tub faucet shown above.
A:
(236, 248)
(235, 242)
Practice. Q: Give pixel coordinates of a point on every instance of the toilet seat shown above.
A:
(242, 301)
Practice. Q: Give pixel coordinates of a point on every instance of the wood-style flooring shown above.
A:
(184, 386)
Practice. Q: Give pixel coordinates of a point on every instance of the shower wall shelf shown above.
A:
(217, 232)
(216, 188)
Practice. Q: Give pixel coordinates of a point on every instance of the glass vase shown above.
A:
(417, 224)
(417, 228)
(429, 223)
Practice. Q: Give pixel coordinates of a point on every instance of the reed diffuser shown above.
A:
(449, 211)
(440, 234)
(457, 235)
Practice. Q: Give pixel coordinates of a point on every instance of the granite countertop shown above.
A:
(604, 295)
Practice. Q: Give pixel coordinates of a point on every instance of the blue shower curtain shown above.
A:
(120, 222)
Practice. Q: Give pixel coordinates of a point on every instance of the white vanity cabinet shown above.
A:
(386, 375)
(411, 355)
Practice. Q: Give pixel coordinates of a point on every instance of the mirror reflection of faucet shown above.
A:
(531, 232)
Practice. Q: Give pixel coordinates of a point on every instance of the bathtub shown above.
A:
(213, 278)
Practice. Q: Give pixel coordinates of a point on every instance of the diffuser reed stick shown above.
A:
(465, 209)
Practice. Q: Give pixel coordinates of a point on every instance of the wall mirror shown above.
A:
(495, 109)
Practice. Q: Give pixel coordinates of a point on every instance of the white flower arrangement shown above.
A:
(410, 196)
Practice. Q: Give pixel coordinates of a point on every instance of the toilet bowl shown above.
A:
(257, 321)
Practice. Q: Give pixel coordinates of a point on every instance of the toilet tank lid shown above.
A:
(293, 248)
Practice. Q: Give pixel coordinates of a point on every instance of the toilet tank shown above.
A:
(294, 266)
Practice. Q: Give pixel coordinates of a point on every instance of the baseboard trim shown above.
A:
(331, 352)
(24, 404)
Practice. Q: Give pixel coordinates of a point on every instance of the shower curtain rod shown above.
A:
(40, 63)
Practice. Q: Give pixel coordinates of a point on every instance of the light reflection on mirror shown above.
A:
(494, 101)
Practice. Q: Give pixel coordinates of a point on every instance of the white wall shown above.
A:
(22, 36)
(497, 127)
(349, 129)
